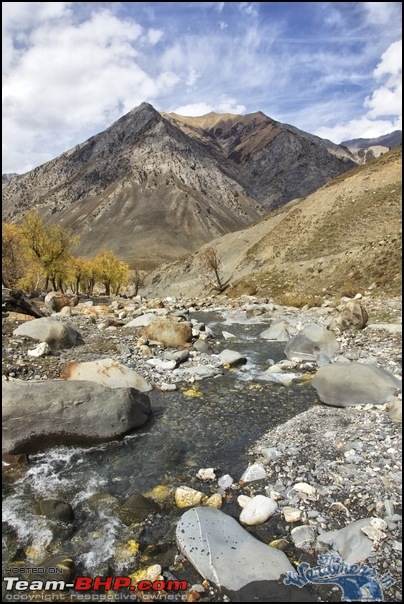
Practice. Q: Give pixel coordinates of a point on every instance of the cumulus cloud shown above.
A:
(224, 105)
(71, 68)
(63, 75)
(384, 104)
(387, 99)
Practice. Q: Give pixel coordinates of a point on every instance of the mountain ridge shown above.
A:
(153, 188)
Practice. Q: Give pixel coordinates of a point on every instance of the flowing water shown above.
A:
(183, 435)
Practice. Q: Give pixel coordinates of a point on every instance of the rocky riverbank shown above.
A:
(323, 470)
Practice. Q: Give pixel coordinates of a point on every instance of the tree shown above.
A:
(113, 273)
(136, 279)
(14, 262)
(50, 247)
(211, 263)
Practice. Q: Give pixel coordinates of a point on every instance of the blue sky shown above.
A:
(72, 68)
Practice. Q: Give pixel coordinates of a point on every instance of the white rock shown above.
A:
(162, 364)
(227, 335)
(373, 533)
(303, 487)
(167, 387)
(258, 510)
(243, 500)
(379, 523)
(232, 358)
(291, 514)
(225, 481)
(254, 472)
(206, 474)
(41, 350)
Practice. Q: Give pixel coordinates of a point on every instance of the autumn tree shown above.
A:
(15, 255)
(112, 273)
(50, 247)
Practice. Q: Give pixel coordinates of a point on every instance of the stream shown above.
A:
(184, 434)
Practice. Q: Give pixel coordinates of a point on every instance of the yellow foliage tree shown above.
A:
(112, 273)
(50, 246)
(15, 255)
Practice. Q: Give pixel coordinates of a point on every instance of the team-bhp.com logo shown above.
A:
(86, 584)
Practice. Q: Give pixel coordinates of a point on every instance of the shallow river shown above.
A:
(183, 435)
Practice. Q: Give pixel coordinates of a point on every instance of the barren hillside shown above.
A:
(344, 238)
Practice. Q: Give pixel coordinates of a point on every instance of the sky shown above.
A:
(70, 69)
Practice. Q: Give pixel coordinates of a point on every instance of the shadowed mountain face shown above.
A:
(153, 187)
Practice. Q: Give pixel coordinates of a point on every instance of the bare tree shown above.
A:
(211, 263)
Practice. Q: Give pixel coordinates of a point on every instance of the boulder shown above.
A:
(169, 332)
(232, 358)
(58, 335)
(56, 509)
(107, 372)
(224, 553)
(142, 320)
(350, 542)
(279, 331)
(56, 301)
(311, 341)
(53, 412)
(349, 384)
(352, 315)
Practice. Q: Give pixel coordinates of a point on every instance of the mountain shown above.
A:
(394, 139)
(153, 187)
(276, 162)
(342, 239)
(366, 149)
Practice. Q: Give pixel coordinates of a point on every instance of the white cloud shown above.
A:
(359, 128)
(64, 77)
(193, 77)
(154, 35)
(384, 105)
(379, 13)
(387, 99)
(248, 8)
(224, 105)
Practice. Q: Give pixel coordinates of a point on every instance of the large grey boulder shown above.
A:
(58, 335)
(55, 412)
(349, 384)
(350, 542)
(311, 341)
(279, 331)
(108, 372)
(223, 552)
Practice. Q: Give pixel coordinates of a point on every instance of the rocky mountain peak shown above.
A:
(153, 187)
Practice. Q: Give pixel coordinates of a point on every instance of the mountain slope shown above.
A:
(275, 162)
(154, 187)
(343, 238)
(365, 150)
(141, 188)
